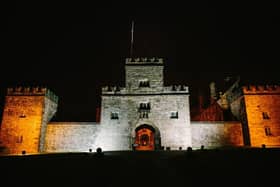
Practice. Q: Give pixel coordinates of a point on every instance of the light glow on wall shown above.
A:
(144, 139)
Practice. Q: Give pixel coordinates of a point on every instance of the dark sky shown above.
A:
(75, 48)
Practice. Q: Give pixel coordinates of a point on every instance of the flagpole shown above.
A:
(131, 42)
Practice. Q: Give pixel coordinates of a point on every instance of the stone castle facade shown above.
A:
(143, 115)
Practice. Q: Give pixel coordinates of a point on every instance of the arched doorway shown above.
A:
(145, 138)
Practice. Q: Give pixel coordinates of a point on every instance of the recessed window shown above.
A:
(143, 114)
(174, 115)
(114, 115)
(22, 116)
(144, 83)
(265, 115)
(267, 131)
(144, 107)
(144, 110)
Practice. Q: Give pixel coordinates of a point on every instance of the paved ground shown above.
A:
(220, 167)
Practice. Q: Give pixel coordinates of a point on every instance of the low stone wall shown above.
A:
(71, 136)
(216, 134)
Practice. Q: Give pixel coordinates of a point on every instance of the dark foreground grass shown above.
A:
(218, 167)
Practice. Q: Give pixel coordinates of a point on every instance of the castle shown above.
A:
(143, 115)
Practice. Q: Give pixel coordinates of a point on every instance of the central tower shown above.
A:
(145, 114)
(143, 74)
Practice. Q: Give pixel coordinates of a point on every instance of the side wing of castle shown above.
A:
(143, 115)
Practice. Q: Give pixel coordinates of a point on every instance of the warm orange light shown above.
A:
(262, 112)
(144, 139)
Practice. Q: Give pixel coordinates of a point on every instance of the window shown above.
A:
(265, 115)
(143, 114)
(144, 109)
(22, 116)
(267, 131)
(174, 115)
(144, 83)
(114, 115)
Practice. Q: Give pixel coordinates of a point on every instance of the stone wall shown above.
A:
(174, 132)
(216, 134)
(50, 108)
(26, 112)
(135, 74)
(21, 123)
(144, 69)
(122, 109)
(263, 114)
(71, 136)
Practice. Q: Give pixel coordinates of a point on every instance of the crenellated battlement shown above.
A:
(31, 91)
(165, 90)
(177, 88)
(111, 89)
(259, 89)
(143, 60)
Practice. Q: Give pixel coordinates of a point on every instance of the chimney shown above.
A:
(213, 95)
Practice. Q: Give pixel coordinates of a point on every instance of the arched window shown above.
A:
(144, 83)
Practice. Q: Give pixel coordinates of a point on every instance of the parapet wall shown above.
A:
(261, 89)
(32, 91)
(143, 60)
(165, 90)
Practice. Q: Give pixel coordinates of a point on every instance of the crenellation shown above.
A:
(112, 89)
(261, 114)
(29, 91)
(19, 90)
(166, 90)
(144, 60)
(259, 89)
(178, 88)
(27, 111)
(153, 59)
(147, 116)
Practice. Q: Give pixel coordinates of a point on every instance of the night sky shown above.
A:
(75, 48)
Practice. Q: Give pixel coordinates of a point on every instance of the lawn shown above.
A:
(216, 167)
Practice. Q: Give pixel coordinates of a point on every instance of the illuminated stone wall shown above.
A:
(49, 110)
(144, 69)
(216, 134)
(144, 101)
(235, 108)
(26, 112)
(71, 136)
(174, 132)
(262, 105)
(125, 102)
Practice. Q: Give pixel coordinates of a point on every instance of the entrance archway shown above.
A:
(145, 138)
